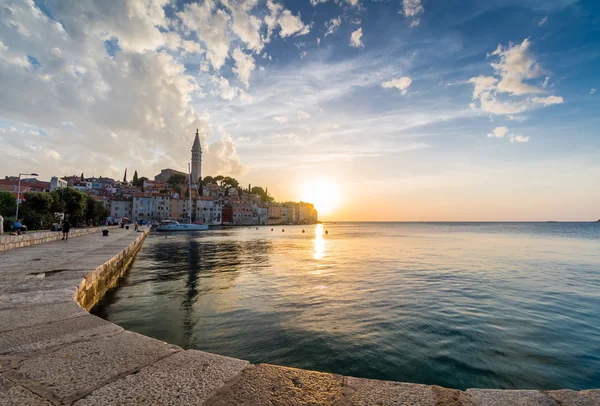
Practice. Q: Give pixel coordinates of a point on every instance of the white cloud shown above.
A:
(519, 138)
(507, 93)
(332, 25)
(211, 25)
(245, 25)
(289, 24)
(281, 119)
(498, 132)
(356, 38)
(515, 67)
(303, 115)
(244, 65)
(548, 101)
(592, 91)
(353, 3)
(401, 84)
(3, 47)
(543, 21)
(412, 9)
(503, 131)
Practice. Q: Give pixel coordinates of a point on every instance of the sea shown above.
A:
(461, 305)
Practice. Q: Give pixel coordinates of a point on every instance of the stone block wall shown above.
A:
(9, 242)
(99, 281)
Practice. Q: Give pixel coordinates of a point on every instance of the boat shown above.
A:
(172, 225)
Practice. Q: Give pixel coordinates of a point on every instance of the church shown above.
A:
(196, 170)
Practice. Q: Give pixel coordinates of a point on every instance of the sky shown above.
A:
(407, 110)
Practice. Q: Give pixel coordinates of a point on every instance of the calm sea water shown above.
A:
(499, 305)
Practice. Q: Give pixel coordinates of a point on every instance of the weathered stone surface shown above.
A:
(20, 317)
(186, 378)
(40, 297)
(272, 385)
(567, 397)
(373, 392)
(451, 397)
(34, 338)
(76, 370)
(499, 397)
(19, 396)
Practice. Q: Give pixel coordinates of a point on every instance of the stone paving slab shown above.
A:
(76, 370)
(499, 397)
(39, 297)
(20, 317)
(37, 337)
(19, 396)
(272, 385)
(568, 397)
(186, 378)
(374, 392)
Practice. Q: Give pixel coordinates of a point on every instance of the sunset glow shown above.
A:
(323, 193)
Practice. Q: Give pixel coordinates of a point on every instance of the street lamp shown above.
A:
(19, 191)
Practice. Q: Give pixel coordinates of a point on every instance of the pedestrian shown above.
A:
(1, 224)
(66, 227)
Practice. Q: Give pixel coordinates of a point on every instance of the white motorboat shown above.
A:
(172, 225)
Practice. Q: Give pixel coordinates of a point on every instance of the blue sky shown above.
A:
(380, 110)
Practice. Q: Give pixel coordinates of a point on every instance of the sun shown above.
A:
(323, 193)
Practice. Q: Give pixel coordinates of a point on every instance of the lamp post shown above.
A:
(19, 191)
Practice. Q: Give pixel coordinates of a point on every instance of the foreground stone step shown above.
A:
(499, 397)
(566, 397)
(26, 340)
(76, 370)
(186, 378)
(12, 395)
(19, 317)
(272, 385)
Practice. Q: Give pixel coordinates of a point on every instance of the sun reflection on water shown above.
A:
(319, 242)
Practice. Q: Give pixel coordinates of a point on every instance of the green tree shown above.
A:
(95, 211)
(176, 179)
(82, 176)
(38, 210)
(8, 203)
(219, 180)
(75, 204)
(125, 176)
(135, 178)
(140, 181)
(208, 180)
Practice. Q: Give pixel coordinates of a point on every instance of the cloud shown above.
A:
(281, 119)
(289, 24)
(244, 65)
(356, 38)
(401, 84)
(543, 21)
(244, 25)
(226, 159)
(412, 9)
(351, 2)
(548, 101)
(303, 115)
(332, 25)
(508, 92)
(519, 138)
(592, 91)
(498, 132)
(515, 67)
(211, 26)
(501, 132)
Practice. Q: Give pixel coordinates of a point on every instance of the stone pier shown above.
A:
(53, 352)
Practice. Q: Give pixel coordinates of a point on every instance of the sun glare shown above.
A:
(323, 193)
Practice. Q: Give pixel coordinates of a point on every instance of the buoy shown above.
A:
(326, 232)
(257, 228)
(271, 229)
(283, 230)
(303, 230)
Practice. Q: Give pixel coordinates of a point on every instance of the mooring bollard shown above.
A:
(104, 233)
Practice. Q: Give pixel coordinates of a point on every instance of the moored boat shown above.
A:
(172, 225)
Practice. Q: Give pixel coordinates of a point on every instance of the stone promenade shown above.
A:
(52, 351)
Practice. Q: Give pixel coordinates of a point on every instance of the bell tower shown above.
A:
(196, 161)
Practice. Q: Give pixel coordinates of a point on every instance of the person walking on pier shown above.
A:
(66, 227)
(1, 224)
